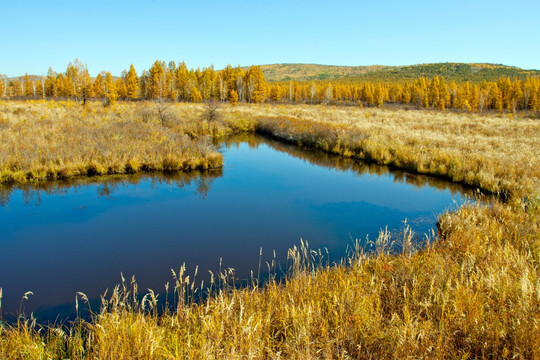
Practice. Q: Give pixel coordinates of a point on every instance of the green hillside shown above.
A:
(459, 72)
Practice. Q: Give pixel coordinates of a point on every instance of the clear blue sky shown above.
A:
(111, 35)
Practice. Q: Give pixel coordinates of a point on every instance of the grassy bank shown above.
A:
(496, 153)
(474, 292)
(50, 140)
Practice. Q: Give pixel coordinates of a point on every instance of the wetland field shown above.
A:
(167, 230)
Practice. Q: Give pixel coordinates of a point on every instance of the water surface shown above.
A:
(80, 236)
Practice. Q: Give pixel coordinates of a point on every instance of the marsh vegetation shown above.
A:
(474, 292)
(42, 140)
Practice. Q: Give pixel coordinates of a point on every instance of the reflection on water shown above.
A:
(329, 161)
(31, 194)
(63, 237)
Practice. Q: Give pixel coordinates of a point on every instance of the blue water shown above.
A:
(80, 236)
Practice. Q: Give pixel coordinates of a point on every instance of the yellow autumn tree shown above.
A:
(110, 89)
(15, 88)
(77, 82)
(169, 86)
(433, 92)
(275, 92)
(194, 94)
(182, 79)
(233, 97)
(39, 89)
(99, 87)
(86, 90)
(28, 86)
(51, 88)
(378, 95)
(132, 84)
(156, 81)
(257, 89)
(121, 89)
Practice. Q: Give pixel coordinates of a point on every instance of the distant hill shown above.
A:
(459, 72)
(302, 72)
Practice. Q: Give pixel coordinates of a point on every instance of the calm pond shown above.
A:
(80, 236)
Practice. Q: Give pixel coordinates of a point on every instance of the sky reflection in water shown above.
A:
(80, 236)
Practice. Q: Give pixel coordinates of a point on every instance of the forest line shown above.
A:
(175, 82)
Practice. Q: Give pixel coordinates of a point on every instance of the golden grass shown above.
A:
(498, 154)
(472, 293)
(48, 140)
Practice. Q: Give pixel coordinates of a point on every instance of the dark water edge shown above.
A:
(269, 195)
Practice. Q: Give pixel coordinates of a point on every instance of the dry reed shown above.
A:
(495, 153)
